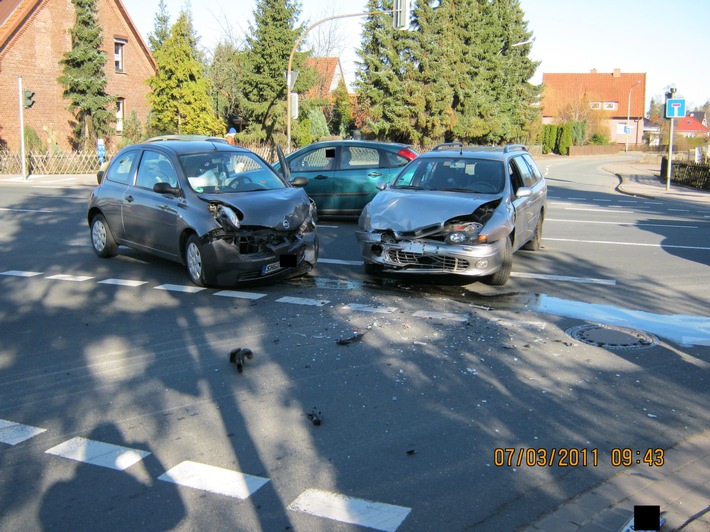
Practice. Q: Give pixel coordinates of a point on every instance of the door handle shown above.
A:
(374, 174)
(129, 198)
(321, 176)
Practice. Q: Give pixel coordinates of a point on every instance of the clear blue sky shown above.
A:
(669, 41)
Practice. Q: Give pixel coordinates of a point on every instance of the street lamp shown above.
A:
(628, 115)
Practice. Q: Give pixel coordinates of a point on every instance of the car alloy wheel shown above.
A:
(193, 260)
(101, 238)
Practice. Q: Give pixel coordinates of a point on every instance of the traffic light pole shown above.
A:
(20, 97)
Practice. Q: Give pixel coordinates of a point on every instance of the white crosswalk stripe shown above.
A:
(213, 479)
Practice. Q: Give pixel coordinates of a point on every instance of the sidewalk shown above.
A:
(644, 180)
(681, 487)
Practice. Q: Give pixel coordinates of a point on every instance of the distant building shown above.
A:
(609, 94)
(329, 74)
(34, 35)
(690, 127)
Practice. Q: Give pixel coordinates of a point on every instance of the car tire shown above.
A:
(193, 261)
(501, 277)
(534, 243)
(372, 269)
(102, 239)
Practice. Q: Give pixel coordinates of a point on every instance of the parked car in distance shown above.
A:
(456, 210)
(342, 174)
(218, 209)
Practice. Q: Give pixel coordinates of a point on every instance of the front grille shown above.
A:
(258, 244)
(427, 262)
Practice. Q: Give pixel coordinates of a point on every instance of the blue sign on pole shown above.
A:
(675, 108)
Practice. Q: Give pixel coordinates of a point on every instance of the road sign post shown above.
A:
(675, 108)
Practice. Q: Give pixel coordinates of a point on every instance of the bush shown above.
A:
(564, 140)
(598, 140)
(549, 138)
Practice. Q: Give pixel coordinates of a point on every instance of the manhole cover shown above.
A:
(612, 337)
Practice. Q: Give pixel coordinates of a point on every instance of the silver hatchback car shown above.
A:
(456, 210)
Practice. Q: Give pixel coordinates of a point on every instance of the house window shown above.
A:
(596, 105)
(120, 106)
(118, 59)
(611, 106)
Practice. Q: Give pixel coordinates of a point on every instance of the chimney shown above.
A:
(617, 73)
(593, 71)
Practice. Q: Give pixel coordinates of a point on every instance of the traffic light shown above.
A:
(28, 98)
(401, 14)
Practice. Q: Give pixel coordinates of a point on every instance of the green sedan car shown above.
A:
(342, 174)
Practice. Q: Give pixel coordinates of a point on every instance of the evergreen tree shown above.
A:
(84, 78)
(385, 82)
(341, 113)
(161, 28)
(262, 81)
(180, 95)
(224, 73)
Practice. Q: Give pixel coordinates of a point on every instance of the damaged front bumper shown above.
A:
(231, 260)
(430, 256)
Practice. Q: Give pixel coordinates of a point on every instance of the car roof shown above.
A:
(484, 152)
(352, 142)
(187, 137)
(180, 146)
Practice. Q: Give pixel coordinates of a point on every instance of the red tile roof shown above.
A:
(689, 125)
(610, 88)
(327, 68)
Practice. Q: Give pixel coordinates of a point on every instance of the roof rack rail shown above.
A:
(446, 145)
(511, 147)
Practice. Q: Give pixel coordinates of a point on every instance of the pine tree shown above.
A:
(262, 82)
(180, 95)
(342, 113)
(84, 78)
(385, 83)
(161, 28)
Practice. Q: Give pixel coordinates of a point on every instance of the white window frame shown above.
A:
(120, 114)
(119, 57)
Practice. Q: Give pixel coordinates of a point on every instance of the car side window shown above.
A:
(524, 171)
(392, 160)
(120, 169)
(352, 157)
(537, 174)
(155, 168)
(320, 159)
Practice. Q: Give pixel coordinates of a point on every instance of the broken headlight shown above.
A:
(463, 233)
(227, 218)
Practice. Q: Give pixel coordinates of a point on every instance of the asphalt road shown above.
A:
(120, 408)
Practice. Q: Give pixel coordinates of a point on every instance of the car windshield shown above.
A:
(457, 174)
(224, 172)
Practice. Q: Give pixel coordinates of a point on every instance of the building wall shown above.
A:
(34, 54)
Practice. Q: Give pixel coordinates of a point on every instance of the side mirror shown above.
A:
(299, 181)
(523, 192)
(381, 184)
(166, 188)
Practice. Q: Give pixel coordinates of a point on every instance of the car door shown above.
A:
(525, 218)
(359, 169)
(150, 219)
(317, 166)
(119, 178)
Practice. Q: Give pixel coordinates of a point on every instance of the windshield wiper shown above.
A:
(411, 187)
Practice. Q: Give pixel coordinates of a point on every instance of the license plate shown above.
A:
(268, 268)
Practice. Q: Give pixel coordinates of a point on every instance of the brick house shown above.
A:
(34, 35)
(616, 96)
(329, 73)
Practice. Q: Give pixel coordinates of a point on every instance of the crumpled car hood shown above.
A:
(409, 210)
(267, 208)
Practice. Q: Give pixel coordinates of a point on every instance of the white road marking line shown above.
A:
(369, 308)
(342, 262)
(377, 515)
(605, 209)
(25, 210)
(547, 277)
(180, 288)
(16, 273)
(678, 210)
(625, 201)
(98, 453)
(520, 323)
(653, 203)
(426, 314)
(213, 479)
(14, 433)
(633, 224)
(122, 282)
(697, 248)
(73, 278)
(239, 295)
(303, 301)
(328, 226)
